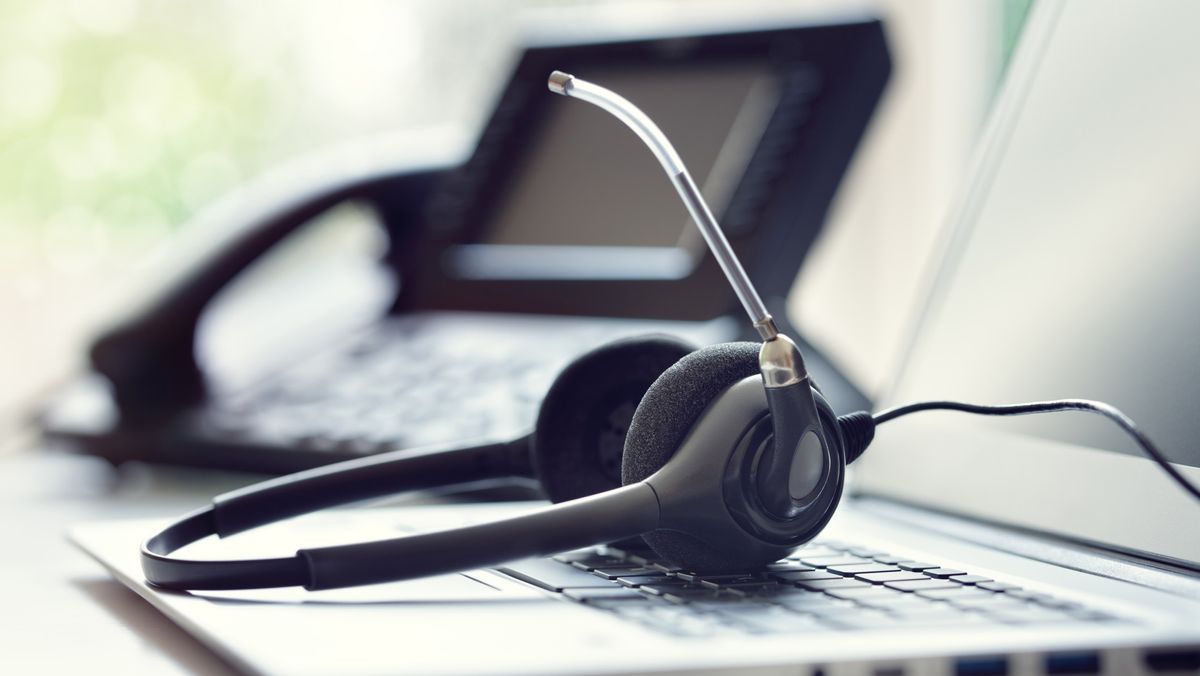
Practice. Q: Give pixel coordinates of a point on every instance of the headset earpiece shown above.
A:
(667, 413)
(674, 402)
(579, 437)
(673, 407)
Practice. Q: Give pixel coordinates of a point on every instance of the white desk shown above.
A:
(62, 613)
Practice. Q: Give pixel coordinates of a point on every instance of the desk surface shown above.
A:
(62, 612)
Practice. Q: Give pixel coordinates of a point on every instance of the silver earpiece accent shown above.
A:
(780, 362)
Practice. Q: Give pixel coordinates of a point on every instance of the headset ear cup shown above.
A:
(579, 437)
(667, 413)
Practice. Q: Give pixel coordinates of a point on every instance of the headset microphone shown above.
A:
(732, 457)
(795, 462)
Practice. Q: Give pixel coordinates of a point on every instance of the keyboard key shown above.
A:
(915, 565)
(684, 591)
(585, 556)
(765, 589)
(666, 585)
(592, 594)
(1038, 597)
(788, 567)
(701, 594)
(613, 573)
(880, 578)
(864, 594)
(729, 606)
(552, 575)
(803, 575)
(678, 620)
(822, 585)
(834, 614)
(866, 619)
(1048, 600)
(932, 609)
(997, 586)
(893, 560)
(715, 581)
(971, 579)
(997, 603)
(893, 602)
(639, 580)
(921, 585)
(942, 616)
(943, 572)
(624, 607)
(855, 569)
(775, 621)
(812, 602)
(953, 594)
(839, 560)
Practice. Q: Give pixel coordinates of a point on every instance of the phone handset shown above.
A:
(148, 355)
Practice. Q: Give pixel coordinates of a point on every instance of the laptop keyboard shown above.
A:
(822, 587)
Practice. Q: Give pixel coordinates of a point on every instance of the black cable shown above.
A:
(1106, 410)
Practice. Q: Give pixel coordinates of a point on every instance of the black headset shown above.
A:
(729, 456)
(729, 459)
(696, 467)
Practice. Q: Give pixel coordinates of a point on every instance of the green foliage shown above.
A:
(120, 117)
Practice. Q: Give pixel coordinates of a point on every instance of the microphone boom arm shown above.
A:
(620, 107)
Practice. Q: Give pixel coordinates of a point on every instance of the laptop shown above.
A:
(967, 546)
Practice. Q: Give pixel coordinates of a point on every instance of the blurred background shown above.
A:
(121, 120)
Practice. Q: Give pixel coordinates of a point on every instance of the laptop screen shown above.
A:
(1074, 272)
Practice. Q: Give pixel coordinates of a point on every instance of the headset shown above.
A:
(730, 459)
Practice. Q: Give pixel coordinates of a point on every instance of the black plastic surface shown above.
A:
(613, 515)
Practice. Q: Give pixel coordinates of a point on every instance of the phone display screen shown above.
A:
(592, 195)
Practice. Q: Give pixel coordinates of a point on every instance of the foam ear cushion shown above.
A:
(667, 413)
(579, 437)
